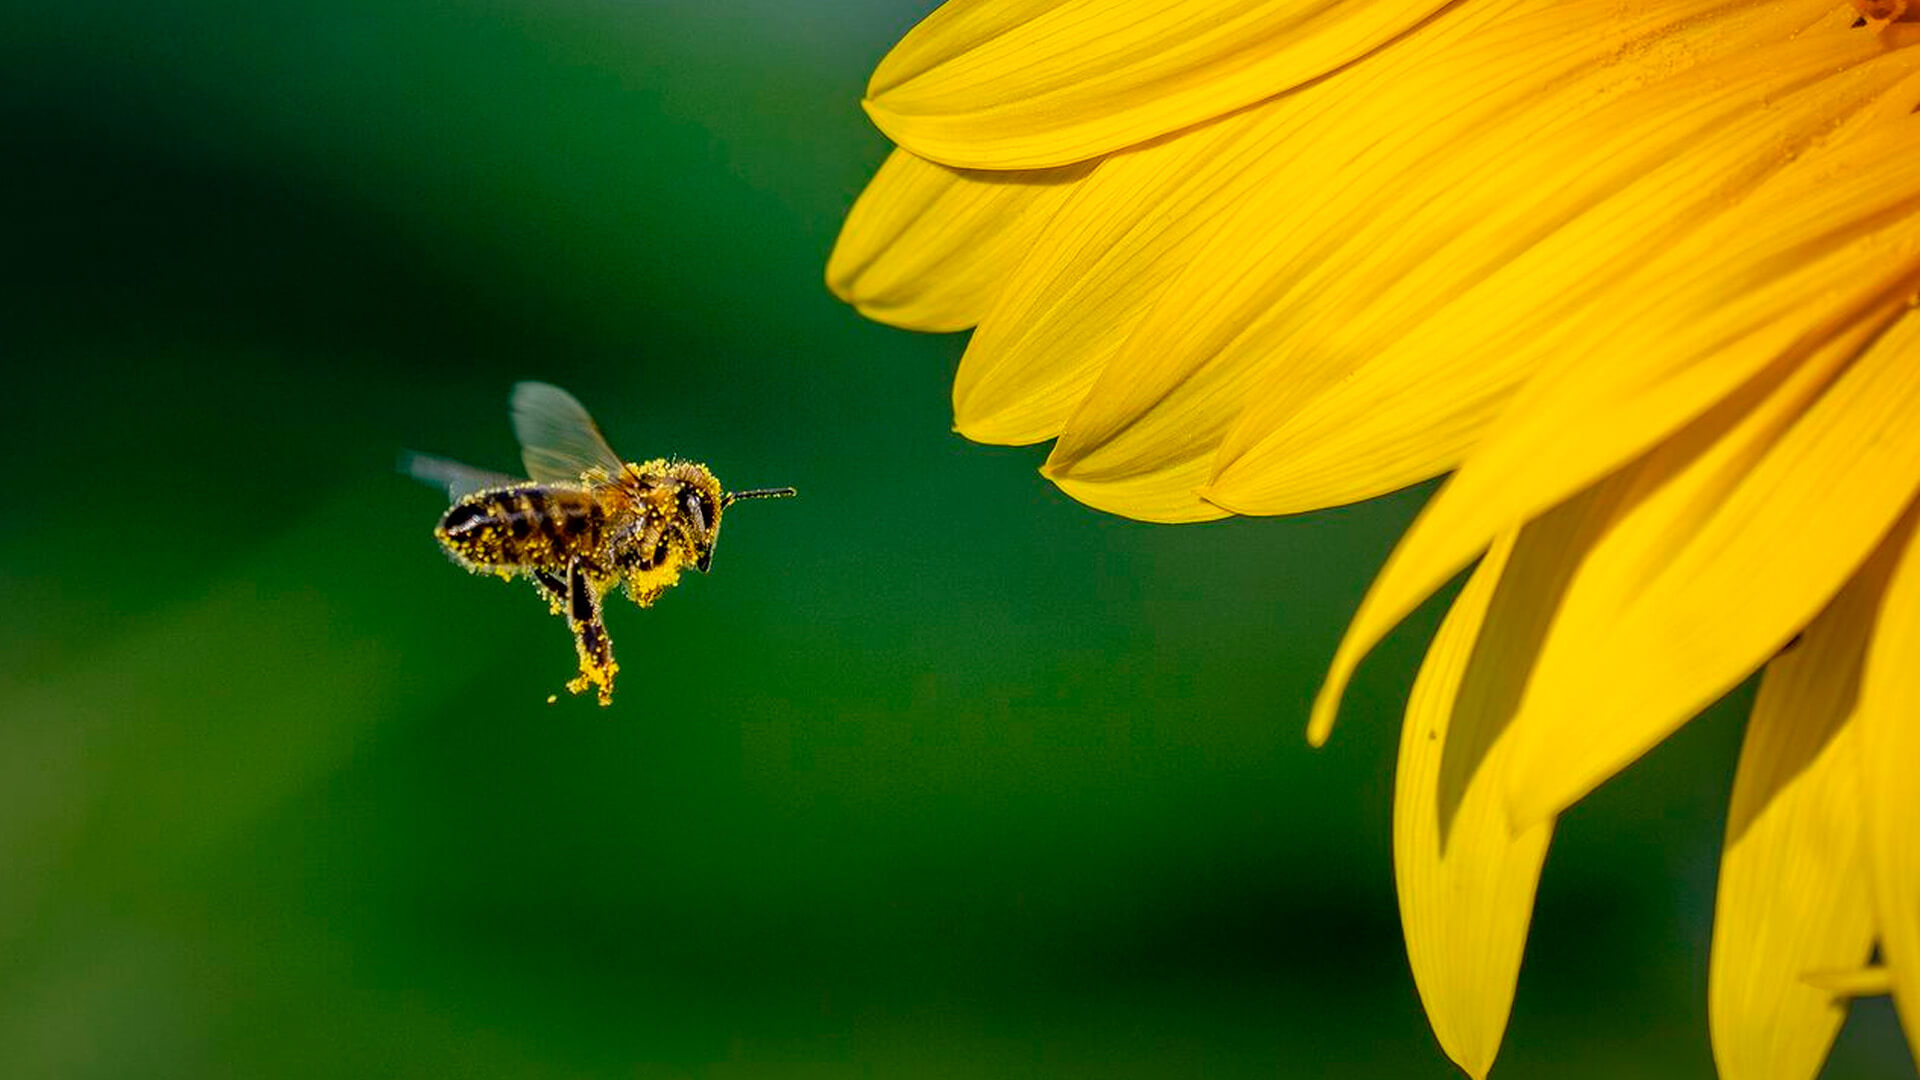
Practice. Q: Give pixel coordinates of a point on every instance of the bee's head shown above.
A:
(701, 501)
(698, 502)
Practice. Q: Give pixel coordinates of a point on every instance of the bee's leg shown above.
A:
(589, 635)
(554, 589)
(643, 595)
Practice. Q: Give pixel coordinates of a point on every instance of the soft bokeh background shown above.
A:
(938, 773)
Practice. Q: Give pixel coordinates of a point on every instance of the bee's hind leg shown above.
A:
(589, 635)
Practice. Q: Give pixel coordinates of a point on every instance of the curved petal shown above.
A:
(928, 248)
(1719, 559)
(1146, 498)
(992, 84)
(1466, 892)
(1296, 187)
(1387, 223)
(1813, 250)
(1889, 749)
(1790, 902)
(1466, 879)
(1413, 405)
(1094, 271)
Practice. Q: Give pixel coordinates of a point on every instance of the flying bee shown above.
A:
(586, 522)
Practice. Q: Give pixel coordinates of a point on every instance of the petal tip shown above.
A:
(1326, 706)
(1058, 466)
(908, 135)
(842, 290)
(990, 430)
(840, 273)
(1208, 494)
(1320, 721)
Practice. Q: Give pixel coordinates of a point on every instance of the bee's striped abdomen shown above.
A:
(521, 527)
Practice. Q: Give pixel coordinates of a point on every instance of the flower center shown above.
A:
(1882, 12)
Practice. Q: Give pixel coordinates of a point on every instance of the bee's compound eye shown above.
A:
(660, 551)
(699, 508)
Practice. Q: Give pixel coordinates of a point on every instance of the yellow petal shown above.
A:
(1269, 211)
(1147, 498)
(1872, 981)
(1810, 249)
(1466, 880)
(1715, 564)
(993, 84)
(928, 248)
(1466, 892)
(1505, 211)
(1423, 247)
(1791, 902)
(1889, 759)
(1094, 271)
(1105, 259)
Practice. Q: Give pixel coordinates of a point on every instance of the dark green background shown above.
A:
(939, 773)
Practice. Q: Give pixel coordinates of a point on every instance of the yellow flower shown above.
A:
(1636, 272)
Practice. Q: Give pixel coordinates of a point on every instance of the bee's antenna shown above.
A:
(732, 497)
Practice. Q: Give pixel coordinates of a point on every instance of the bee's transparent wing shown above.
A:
(458, 480)
(558, 440)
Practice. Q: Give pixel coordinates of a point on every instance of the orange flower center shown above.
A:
(1888, 11)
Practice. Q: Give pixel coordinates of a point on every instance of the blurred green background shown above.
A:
(952, 777)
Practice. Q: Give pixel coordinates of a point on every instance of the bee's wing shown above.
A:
(558, 440)
(459, 480)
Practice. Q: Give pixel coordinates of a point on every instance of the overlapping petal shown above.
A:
(1095, 270)
(1815, 249)
(1716, 564)
(1303, 185)
(928, 248)
(1642, 273)
(1466, 878)
(992, 84)
(1889, 755)
(1524, 234)
(1387, 226)
(1792, 902)
(1466, 883)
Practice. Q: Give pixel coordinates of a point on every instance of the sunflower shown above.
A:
(1636, 273)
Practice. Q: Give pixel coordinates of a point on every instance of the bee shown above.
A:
(584, 523)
